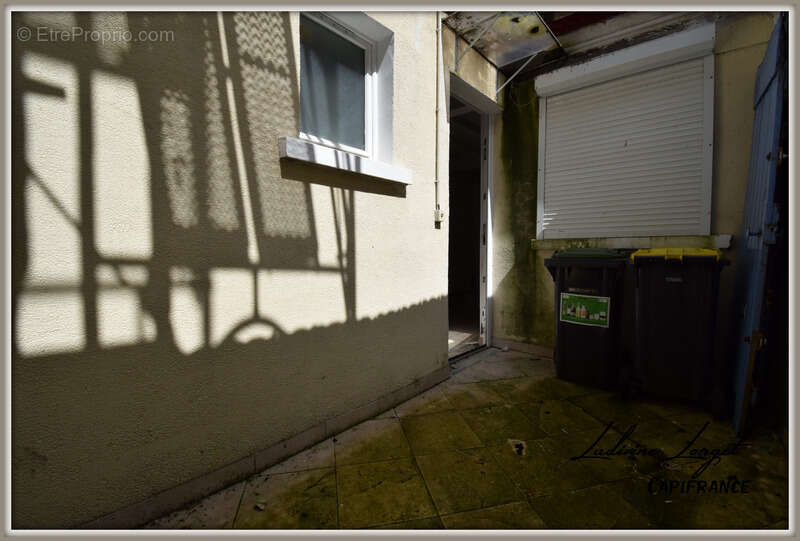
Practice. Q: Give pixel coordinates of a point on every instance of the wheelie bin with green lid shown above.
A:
(590, 315)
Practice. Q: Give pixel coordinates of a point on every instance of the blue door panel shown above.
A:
(760, 216)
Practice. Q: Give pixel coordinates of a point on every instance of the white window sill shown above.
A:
(306, 151)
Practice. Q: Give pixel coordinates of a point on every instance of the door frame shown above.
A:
(486, 108)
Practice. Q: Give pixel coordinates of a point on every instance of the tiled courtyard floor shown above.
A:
(491, 448)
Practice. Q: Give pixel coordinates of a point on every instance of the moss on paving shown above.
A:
(382, 493)
(515, 515)
(466, 480)
(533, 389)
(597, 507)
(499, 423)
(472, 395)
(507, 457)
(438, 432)
(430, 523)
(300, 500)
(558, 417)
(371, 441)
(542, 468)
(431, 401)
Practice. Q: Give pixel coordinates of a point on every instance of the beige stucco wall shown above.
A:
(739, 49)
(472, 66)
(166, 322)
(527, 313)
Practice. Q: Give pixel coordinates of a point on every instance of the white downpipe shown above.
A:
(438, 215)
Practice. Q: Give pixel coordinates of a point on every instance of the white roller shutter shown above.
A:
(629, 157)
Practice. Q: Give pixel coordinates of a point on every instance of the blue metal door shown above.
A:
(760, 216)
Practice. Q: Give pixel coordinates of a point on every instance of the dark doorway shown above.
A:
(465, 223)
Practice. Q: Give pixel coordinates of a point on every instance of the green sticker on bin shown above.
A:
(585, 309)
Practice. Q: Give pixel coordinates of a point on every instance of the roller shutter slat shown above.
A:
(625, 157)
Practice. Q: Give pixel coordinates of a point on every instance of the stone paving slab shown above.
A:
(430, 523)
(515, 516)
(539, 467)
(431, 401)
(497, 424)
(466, 480)
(371, 441)
(597, 508)
(537, 389)
(471, 395)
(382, 493)
(690, 510)
(297, 500)
(557, 417)
(439, 432)
(503, 445)
(589, 442)
(518, 364)
(485, 371)
(608, 407)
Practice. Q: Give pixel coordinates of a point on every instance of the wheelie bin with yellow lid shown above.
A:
(675, 312)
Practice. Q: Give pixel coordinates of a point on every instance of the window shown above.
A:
(625, 148)
(346, 96)
(336, 85)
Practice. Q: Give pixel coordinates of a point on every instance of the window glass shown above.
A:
(332, 100)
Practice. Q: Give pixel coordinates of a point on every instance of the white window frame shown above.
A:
(377, 159)
(371, 115)
(696, 42)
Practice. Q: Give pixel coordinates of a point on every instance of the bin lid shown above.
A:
(677, 253)
(590, 253)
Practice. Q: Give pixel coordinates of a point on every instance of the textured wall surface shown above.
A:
(472, 67)
(523, 293)
(524, 287)
(182, 297)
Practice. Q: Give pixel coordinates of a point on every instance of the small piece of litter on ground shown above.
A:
(518, 446)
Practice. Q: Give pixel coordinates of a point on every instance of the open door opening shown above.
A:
(464, 268)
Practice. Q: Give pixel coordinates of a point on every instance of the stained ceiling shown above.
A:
(519, 42)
